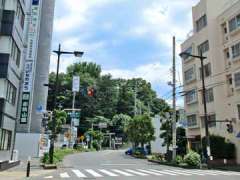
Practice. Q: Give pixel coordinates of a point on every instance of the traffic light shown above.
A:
(230, 128)
(90, 92)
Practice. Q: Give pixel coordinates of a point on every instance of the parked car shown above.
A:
(139, 150)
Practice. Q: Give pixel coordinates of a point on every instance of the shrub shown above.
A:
(192, 159)
(179, 159)
(220, 148)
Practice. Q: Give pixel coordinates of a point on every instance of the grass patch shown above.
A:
(59, 154)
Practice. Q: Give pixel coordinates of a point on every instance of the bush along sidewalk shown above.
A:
(190, 161)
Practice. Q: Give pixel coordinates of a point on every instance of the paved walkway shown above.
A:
(19, 172)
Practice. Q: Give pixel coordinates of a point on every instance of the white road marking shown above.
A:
(48, 177)
(78, 173)
(163, 172)
(181, 173)
(206, 172)
(190, 172)
(118, 164)
(136, 172)
(150, 172)
(122, 172)
(64, 175)
(93, 173)
(108, 173)
(226, 173)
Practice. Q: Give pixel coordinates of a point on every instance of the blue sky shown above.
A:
(128, 38)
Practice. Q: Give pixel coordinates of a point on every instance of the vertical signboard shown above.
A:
(76, 84)
(32, 43)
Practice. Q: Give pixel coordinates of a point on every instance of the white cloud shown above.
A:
(77, 13)
(154, 73)
(159, 21)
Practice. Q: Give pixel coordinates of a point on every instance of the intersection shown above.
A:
(112, 165)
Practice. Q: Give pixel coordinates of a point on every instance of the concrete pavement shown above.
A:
(111, 165)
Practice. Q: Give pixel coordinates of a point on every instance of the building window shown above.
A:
(5, 139)
(11, 93)
(20, 14)
(188, 50)
(15, 53)
(192, 120)
(234, 23)
(237, 80)
(211, 121)
(201, 22)
(209, 95)
(189, 75)
(236, 50)
(191, 96)
(204, 47)
(206, 70)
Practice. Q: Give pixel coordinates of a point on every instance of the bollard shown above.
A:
(28, 167)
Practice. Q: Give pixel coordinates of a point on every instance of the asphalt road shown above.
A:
(111, 165)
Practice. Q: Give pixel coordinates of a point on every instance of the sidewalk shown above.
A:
(19, 172)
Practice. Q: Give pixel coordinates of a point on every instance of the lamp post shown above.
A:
(59, 52)
(201, 57)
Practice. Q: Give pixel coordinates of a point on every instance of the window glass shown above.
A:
(204, 47)
(238, 107)
(211, 121)
(191, 96)
(189, 74)
(11, 93)
(15, 53)
(237, 79)
(201, 22)
(209, 95)
(236, 50)
(192, 120)
(188, 50)
(207, 70)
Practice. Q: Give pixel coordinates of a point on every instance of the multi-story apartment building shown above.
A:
(216, 33)
(34, 94)
(12, 41)
(25, 45)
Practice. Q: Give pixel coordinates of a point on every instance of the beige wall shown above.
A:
(224, 106)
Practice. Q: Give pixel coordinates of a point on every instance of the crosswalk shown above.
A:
(100, 173)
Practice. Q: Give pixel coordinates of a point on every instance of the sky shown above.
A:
(128, 38)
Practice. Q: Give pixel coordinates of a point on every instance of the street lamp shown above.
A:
(201, 57)
(56, 89)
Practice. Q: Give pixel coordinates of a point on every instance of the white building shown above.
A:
(156, 145)
(217, 34)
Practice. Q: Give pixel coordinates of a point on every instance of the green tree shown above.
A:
(119, 124)
(140, 130)
(61, 117)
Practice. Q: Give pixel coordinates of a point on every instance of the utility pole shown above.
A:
(59, 52)
(205, 108)
(174, 134)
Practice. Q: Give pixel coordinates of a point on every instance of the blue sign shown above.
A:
(39, 109)
(35, 2)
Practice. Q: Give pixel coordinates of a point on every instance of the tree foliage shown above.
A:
(111, 96)
(140, 130)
